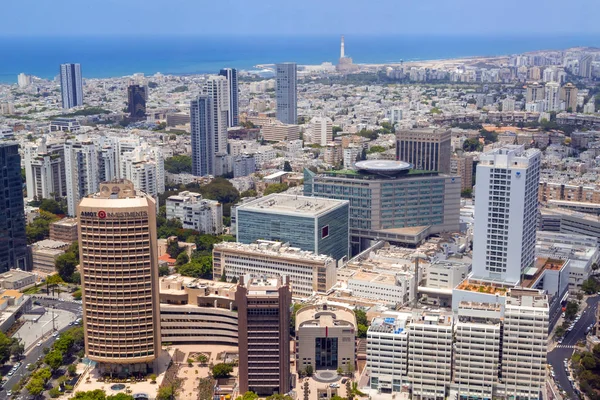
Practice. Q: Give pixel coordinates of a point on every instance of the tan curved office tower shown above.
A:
(119, 278)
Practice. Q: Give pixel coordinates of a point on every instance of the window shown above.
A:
(324, 231)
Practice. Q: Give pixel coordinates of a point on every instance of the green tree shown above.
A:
(163, 270)
(248, 396)
(362, 331)
(97, 394)
(276, 188)
(65, 343)
(77, 294)
(17, 349)
(466, 193)
(376, 149)
(249, 193)
(39, 229)
(309, 370)
(54, 359)
(5, 345)
(472, 145)
(179, 164)
(35, 386)
(222, 190)
(361, 316)
(65, 265)
(279, 397)
(590, 286)
(222, 370)
(197, 268)
(182, 258)
(72, 369)
(287, 167)
(52, 206)
(571, 310)
(295, 308)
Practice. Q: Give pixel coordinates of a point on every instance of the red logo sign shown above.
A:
(101, 214)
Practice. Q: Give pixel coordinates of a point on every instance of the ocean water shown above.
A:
(110, 56)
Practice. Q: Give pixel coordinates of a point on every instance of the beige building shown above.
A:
(280, 132)
(64, 230)
(463, 166)
(325, 337)
(119, 278)
(428, 149)
(197, 311)
(16, 279)
(44, 254)
(568, 94)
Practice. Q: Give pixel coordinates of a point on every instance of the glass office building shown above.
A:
(312, 224)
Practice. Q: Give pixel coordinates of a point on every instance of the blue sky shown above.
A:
(298, 17)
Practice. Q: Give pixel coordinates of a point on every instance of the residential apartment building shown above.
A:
(427, 149)
(119, 278)
(321, 130)
(232, 85)
(45, 170)
(463, 167)
(308, 273)
(280, 132)
(263, 335)
(194, 212)
(243, 165)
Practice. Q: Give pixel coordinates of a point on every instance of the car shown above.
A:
(334, 385)
(9, 393)
(55, 334)
(10, 373)
(39, 344)
(27, 366)
(560, 341)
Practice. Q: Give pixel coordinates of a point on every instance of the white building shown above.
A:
(508, 104)
(350, 154)
(552, 96)
(505, 213)
(217, 88)
(204, 216)
(394, 115)
(24, 80)
(308, 272)
(44, 170)
(81, 170)
(392, 289)
(321, 128)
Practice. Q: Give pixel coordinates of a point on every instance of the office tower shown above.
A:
(13, 241)
(389, 201)
(286, 93)
(323, 343)
(568, 94)
(322, 130)
(506, 213)
(202, 132)
(232, 83)
(45, 170)
(263, 335)
(552, 96)
(119, 278)
(202, 215)
(71, 85)
(81, 171)
(23, 80)
(427, 149)
(308, 272)
(136, 102)
(463, 166)
(310, 223)
(585, 66)
(535, 92)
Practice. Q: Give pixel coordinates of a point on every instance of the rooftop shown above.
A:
(383, 166)
(69, 222)
(15, 275)
(325, 315)
(295, 205)
(270, 248)
(50, 244)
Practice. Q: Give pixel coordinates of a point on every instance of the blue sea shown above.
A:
(111, 56)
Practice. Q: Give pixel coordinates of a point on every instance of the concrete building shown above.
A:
(119, 278)
(244, 165)
(286, 93)
(426, 149)
(203, 135)
(280, 132)
(463, 167)
(13, 240)
(308, 273)
(232, 84)
(81, 171)
(585, 66)
(535, 92)
(568, 94)
(194, 212)
(23, 80)
(350, 156)
(309, 223)
(136, 102)
(65, 125)
(552, 97)
(263, 335)
(197, 311)
(325, 337)
(322, 130)
(508, 104)
(71, 85)
(44, 254)
(393, 289)
(15, 279)
(44, 166)
(506, 197)
(64, 230)
(569, 222)
(390, 201)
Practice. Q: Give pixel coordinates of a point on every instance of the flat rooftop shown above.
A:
(68, 222)
(293, 205)
(274, 249)
(325, 315)
(379, 278)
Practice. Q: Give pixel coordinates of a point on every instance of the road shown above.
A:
(565, 350)
(38, 351)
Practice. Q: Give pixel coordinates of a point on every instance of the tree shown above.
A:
(309, 370)
(39, 229)
(279, 397)
(579, 296)
(590, 286)
(17, 349)
(249, 193)
(571, 310)
(248, 396)
(77, 294)
(339, 370)
(350, 368)
(362, 331)
(197, 268)
(472, 145)
(276, 188)
(65, 343)
(5, 345)
(179, 164)
(376, 149)
(466, 193)
(182, 258)
(361, 316)
(173, 249)
(295, 308)
(52, 206)
(54, 359)
(222, 370)
(287, 167)
(97, 394)
(72, 369)
(66, 263)
(35, 386)
(163, 270)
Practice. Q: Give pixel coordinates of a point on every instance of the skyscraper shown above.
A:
(216, 87)
(535, 92)
(70, 85)
(506, 213)
(263, 335)
(585, 66)
(81, 171)
(13, 241)
(552, 96)
(232, 80)
(202, 133)
(119, 278)
(286, 93)
(136, 102)
(568, 93)
(426, 149)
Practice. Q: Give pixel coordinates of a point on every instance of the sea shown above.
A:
(114, 56)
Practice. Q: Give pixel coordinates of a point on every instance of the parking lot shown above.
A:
(34, 330)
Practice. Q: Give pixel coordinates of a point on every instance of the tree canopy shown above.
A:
(39, 229)
(179, 164)
(222, 370)
(276, 188)
(65, 264)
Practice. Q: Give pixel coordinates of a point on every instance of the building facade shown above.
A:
(194, 212)
(286, 93)
(119, 278)
(232, 83)
(263, 335)
(136, 102)
(71, 85)
(203, 136)
(463, 167)
(426, 149)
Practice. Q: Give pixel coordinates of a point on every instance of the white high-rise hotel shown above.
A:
(505, 213)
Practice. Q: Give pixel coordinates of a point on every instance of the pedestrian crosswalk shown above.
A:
(565, 346)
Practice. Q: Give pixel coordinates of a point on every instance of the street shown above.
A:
(565, 350)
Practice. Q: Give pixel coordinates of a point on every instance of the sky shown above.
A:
(298, 17)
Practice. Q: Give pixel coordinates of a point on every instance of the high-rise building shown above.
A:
(71, 85)
(535, 92)
(568, 94)
(13, 241)
(552, 96)
(216, 87)
(310, 223)
(24, 80)
(202, 132)
(286, 93)
(426, 149)
(136, 102)
(81, 171)
(463, 166)
(389, 201)
(585, 66)
(506, 213)
(322, 130)
(508, 104)
(45, 170)
(232, 82)
(263, 335)
(119, 278)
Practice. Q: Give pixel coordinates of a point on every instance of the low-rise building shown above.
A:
(64, 230)
(44, 254)
(280, 132)
(15, 279)
(194, 212)
(392, 289)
